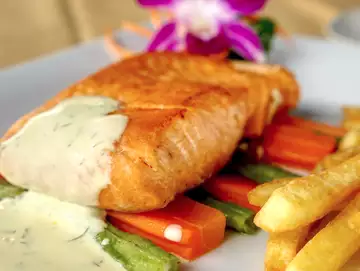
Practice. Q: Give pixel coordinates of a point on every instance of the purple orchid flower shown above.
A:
(207, 27)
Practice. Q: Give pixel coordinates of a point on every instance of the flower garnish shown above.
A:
(207, 27)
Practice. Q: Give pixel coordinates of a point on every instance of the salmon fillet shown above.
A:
(186, 116)
(279, 77)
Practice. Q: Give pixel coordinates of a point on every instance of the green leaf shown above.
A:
(266, 29)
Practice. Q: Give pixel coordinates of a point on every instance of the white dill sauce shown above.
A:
(65, 152)
(41, 233)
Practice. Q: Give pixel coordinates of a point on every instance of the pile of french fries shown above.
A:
(313, 221)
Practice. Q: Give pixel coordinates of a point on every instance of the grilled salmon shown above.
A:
(186, 116)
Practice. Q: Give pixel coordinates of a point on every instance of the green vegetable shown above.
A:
(237, 218)
(338, 141)
(266, 29)
(134, 252)
(9, 191)
(262, 173)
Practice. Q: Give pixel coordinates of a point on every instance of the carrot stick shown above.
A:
(231, 188)
(295, 159)
(311, 125)
(183, 251)
(299, 136)
(185, 227)
(156, 223)
(296, 147)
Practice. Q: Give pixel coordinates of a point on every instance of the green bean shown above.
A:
(134, 252)
(262, 173)
(9, 191)
(237, 218)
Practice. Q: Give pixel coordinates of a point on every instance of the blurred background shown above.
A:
(31, 28)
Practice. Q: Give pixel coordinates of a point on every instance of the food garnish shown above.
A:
(232, 30)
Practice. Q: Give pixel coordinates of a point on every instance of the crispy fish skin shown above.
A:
(186, 116)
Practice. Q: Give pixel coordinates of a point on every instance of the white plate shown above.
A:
(328, 73)
(345, 26)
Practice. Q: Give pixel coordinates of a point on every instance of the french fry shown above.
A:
(307, 199)
(350, 140)
(352, 123)
(334, 245)
(317, 226)
(351, 117)
(353, 264)
(282, 248)
(260, 194)
(337, 158)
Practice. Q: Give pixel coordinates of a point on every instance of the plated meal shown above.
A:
(146, 163)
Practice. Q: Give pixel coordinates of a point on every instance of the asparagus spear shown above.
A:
(262, 173)
(237, 218)
(134, 252)
(9, 191)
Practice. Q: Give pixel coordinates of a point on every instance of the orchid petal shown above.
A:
(246, 7)
(245, 41)
(163, 37)
(172, 46)
(195, 45)
(155, 3)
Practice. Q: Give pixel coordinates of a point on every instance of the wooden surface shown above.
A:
(30, 28)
